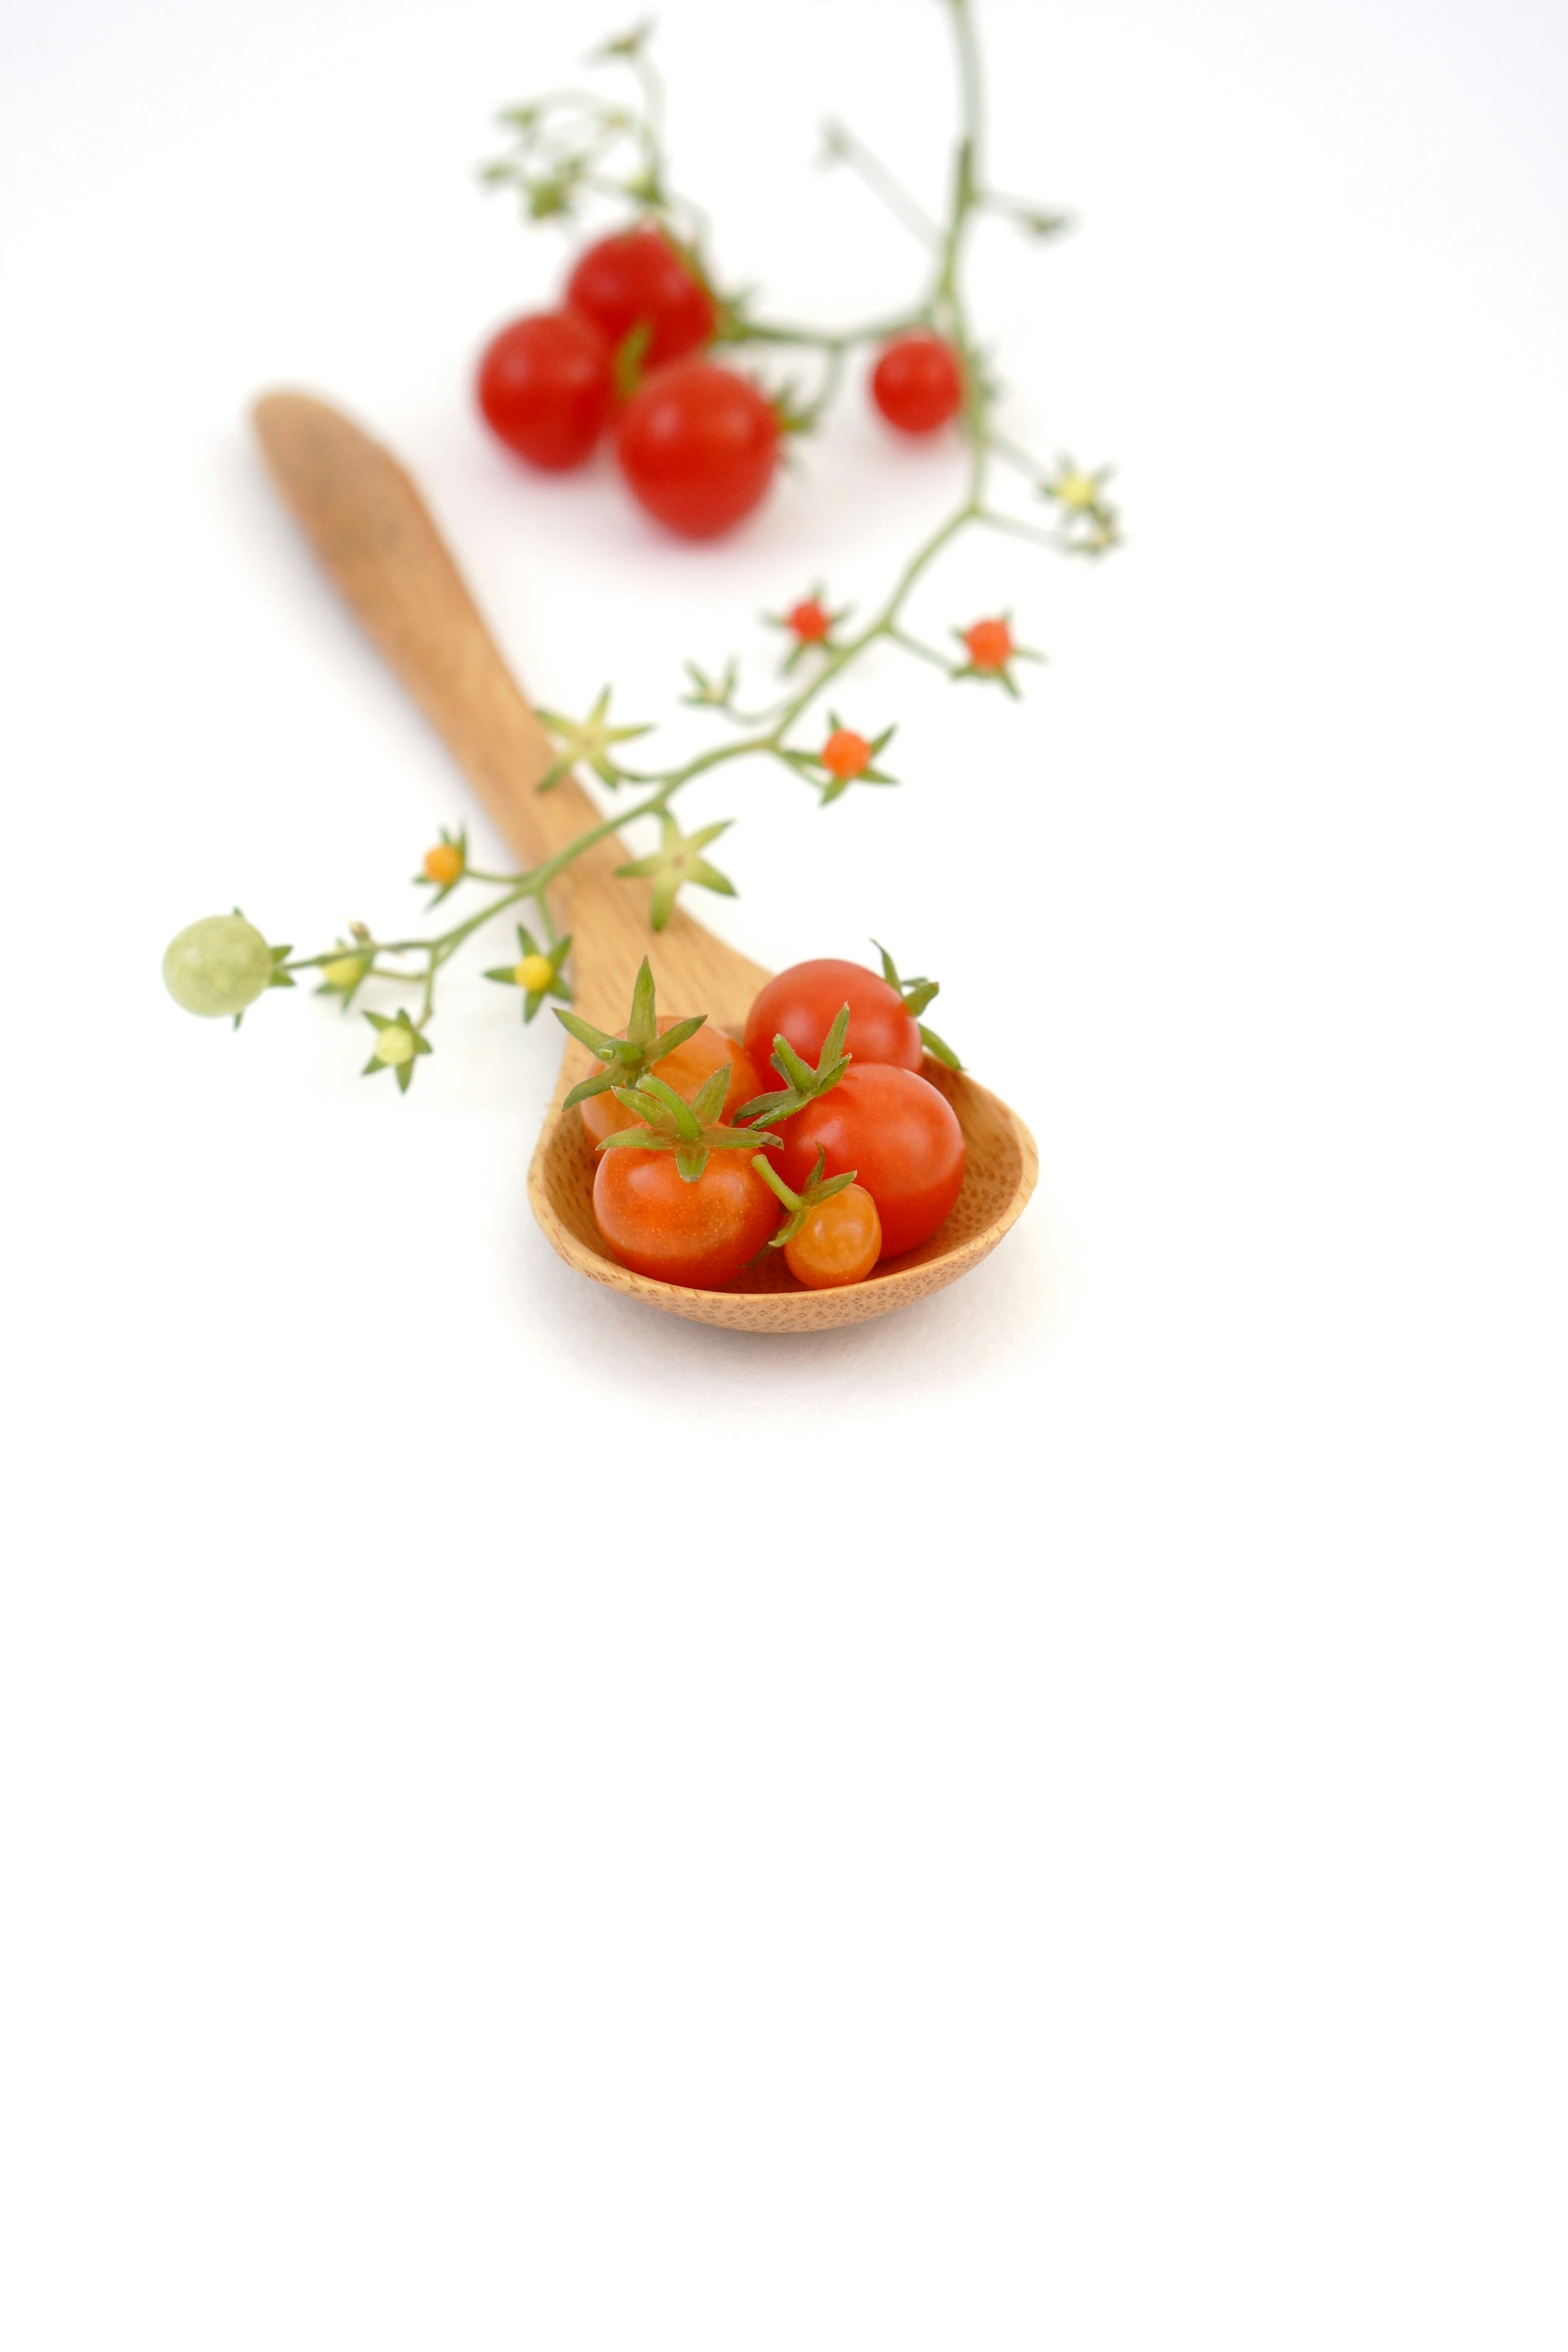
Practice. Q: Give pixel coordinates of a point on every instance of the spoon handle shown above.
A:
(374, 537)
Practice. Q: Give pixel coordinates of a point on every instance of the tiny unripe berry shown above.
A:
(345, 971)
(395, 1046)
(218, 965)
(844, 754)
(442, 864)
(534, 973)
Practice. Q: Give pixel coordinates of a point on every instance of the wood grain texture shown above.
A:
(374, 537)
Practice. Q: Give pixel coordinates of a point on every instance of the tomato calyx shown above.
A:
(803, 1085)
(690, 1129)
(537, 972)
(917, 994)
(797, 1203)
(627, 1060)
(590, 740)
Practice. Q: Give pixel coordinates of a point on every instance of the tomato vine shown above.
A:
(573, 146)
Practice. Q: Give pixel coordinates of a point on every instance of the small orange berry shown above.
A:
(809, 621)
(844, 754)
(990, 644)
(442, 864)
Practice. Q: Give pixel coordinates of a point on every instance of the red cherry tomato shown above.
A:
(803, 1005)
(701, 1235)
(839, 1240)
(898, 1134)
(545, 385)
(637, 278)
(917, 384)
(685, 1070)
(697, 445)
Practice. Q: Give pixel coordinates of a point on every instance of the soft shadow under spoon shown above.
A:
(373, 535)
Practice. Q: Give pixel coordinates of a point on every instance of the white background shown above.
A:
(1035, 1822)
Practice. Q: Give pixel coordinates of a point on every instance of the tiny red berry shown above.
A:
(809, 621)
(917, 384)
(990, 644)
(844, 754)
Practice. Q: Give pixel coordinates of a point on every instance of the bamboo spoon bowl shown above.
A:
(374, 537)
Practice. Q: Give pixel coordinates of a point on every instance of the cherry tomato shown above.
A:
(839, 1240)
(803, 1005)
(917, 384)
(701, 1235)
(898, 1134)
(637, 278)
(708, 1050)
(698, 445)
(545, 385)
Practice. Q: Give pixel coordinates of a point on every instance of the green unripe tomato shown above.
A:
(218, 965)
(395, 1046)
(345, 971)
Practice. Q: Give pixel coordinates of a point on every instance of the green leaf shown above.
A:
(690, 1159)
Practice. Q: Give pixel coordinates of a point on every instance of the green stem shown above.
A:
(945, 307)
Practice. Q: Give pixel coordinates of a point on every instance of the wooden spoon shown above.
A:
(370, 528)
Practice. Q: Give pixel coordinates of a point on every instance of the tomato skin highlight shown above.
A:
(684, 1069)
(637, 276)
(803, 1005)
(545, 386)
(839, 1240)
(699, 1234)
(899, 1135)
(917, 384)
(697, 445)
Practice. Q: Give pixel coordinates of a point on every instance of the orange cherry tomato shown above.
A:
(701, 1235)
(685, 1070)
(839, 1240)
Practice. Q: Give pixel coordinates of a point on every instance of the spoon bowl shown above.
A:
(374, 537)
